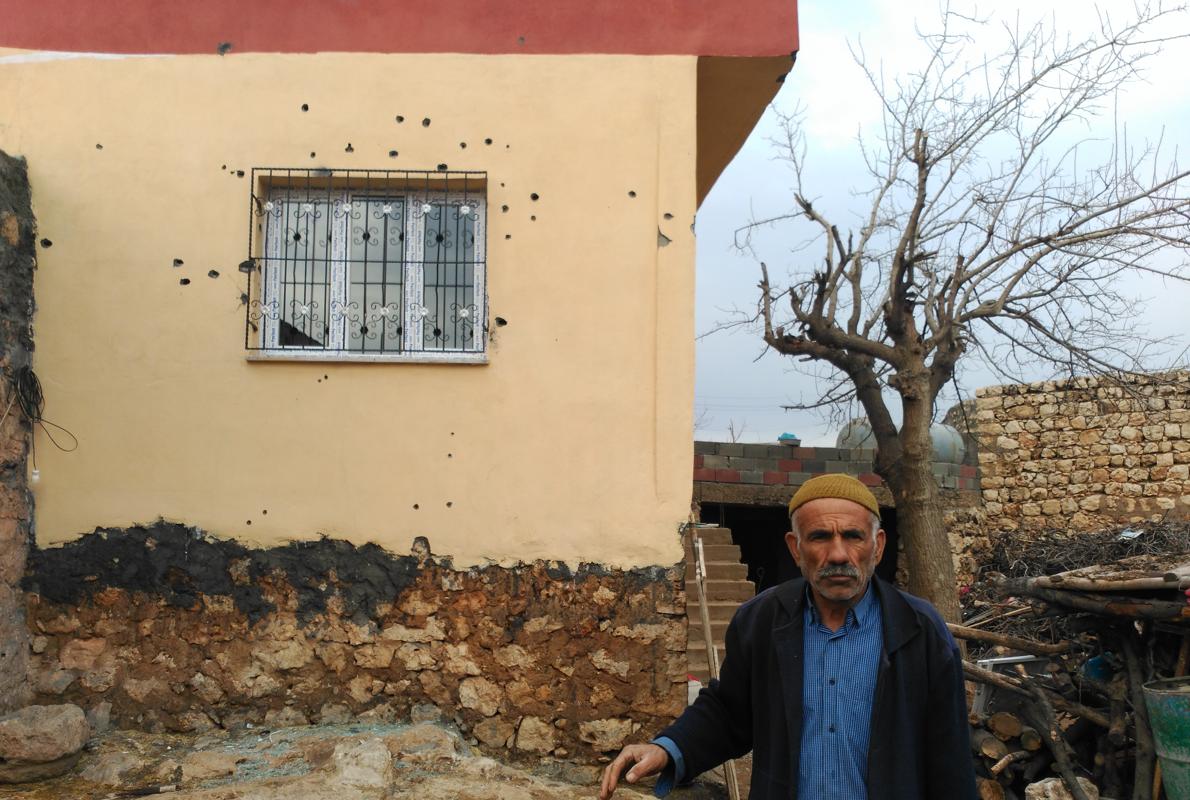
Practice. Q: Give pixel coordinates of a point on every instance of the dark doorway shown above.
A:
(759, 531)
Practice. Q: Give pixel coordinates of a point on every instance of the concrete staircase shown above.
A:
(727, 586)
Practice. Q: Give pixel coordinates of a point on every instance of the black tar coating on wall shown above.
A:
(179, 564)
(16, 263)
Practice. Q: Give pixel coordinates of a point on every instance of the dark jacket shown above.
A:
(919, 743)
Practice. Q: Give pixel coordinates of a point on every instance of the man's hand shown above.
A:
(644, 760)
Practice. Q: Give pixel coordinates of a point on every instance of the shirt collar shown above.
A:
(858, 616)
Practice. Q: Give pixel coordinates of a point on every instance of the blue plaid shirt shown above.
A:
(838, 687)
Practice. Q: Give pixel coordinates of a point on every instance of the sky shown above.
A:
(740, 388)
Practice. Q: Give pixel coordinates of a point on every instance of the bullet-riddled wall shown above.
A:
(141, 169)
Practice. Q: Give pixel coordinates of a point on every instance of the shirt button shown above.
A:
(832, 729)
(832, 681)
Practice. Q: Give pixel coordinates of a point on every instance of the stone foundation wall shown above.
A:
(1085, 453)
(17, 233)
(179, 631)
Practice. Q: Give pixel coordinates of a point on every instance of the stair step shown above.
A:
(713, 536)
(716, 552)
(722, 590)
(717, 610)
(718, 629)
(720, 570)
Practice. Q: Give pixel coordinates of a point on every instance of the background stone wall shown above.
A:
(17, 233)
(1084, 453)
(161, 627)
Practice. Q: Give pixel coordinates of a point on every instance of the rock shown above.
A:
(25, 771)
(287, 717)
(99, 717)
(605, 735)
(207, 764)
(55, 682)
(39, 734)
(495, 732)
(1055, 789)
(603, 661)
(139, 691)
(535, 736)
(481, 695)
(286, 655)
(382, 713)
(425, 712)
(81, 653)
(334, 714)
(109, 769)
(422, 744)
(366, 764)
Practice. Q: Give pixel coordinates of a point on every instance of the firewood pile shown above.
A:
(1059, 651)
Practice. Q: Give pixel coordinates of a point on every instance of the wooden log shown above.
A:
(1004, 640)
(989, 789)
(1110, 606)
(977, 673)
(1030, 739)
(1063, 755)
(1146, 757)
(1008, 760)
(1005, 725)
(987, 745)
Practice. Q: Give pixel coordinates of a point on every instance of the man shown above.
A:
(842, 686)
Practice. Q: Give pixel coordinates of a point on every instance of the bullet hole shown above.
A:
(312, 154)
(442, 168)
(533, 218)
(400, 119)
(46, 243)
(305, 106)
(243, 298)
(500, 323)
(462, 145)
(439, 238)
(264, 511)
(520, 40)
(98, 146)
(507, 147)
(535, 197)
(245, 267)
(392, 153)
(450, 455)
(416, 506)
(504, 209)
(349, 148)
(631, 193)
(662, 239)
(297, 237)
(501, 184)
(224, 48)
(668, 215)
(508, 236)
(487, 141)
(239, 173)
(326, 377)
(225, 168)
(184, 282)
(213, 273)
(452, 433)
(449, 503)
(247, 522)
(425, 123)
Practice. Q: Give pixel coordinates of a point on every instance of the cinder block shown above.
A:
(706, 448)
(715, 462)
(752, 476)
(756, 450)
(743, 463)
(731, 449)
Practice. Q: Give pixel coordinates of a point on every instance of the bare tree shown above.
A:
(995, 227)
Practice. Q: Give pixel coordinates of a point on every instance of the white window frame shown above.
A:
(414, 313)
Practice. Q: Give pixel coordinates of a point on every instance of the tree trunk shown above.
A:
(928, 556)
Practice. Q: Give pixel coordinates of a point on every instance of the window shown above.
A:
(367, 265)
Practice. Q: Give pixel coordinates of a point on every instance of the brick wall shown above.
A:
(1085, 453)
(782, 465)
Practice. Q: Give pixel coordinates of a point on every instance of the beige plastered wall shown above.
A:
(572, 443)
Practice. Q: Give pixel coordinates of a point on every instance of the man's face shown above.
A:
(836, 551)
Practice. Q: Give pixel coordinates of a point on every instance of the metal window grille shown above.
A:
(384, 263)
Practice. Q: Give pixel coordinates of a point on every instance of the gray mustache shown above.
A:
(839, 571)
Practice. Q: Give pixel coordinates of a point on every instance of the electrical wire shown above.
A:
(30, 398)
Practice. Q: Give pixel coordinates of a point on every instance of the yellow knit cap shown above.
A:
(837, 485)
